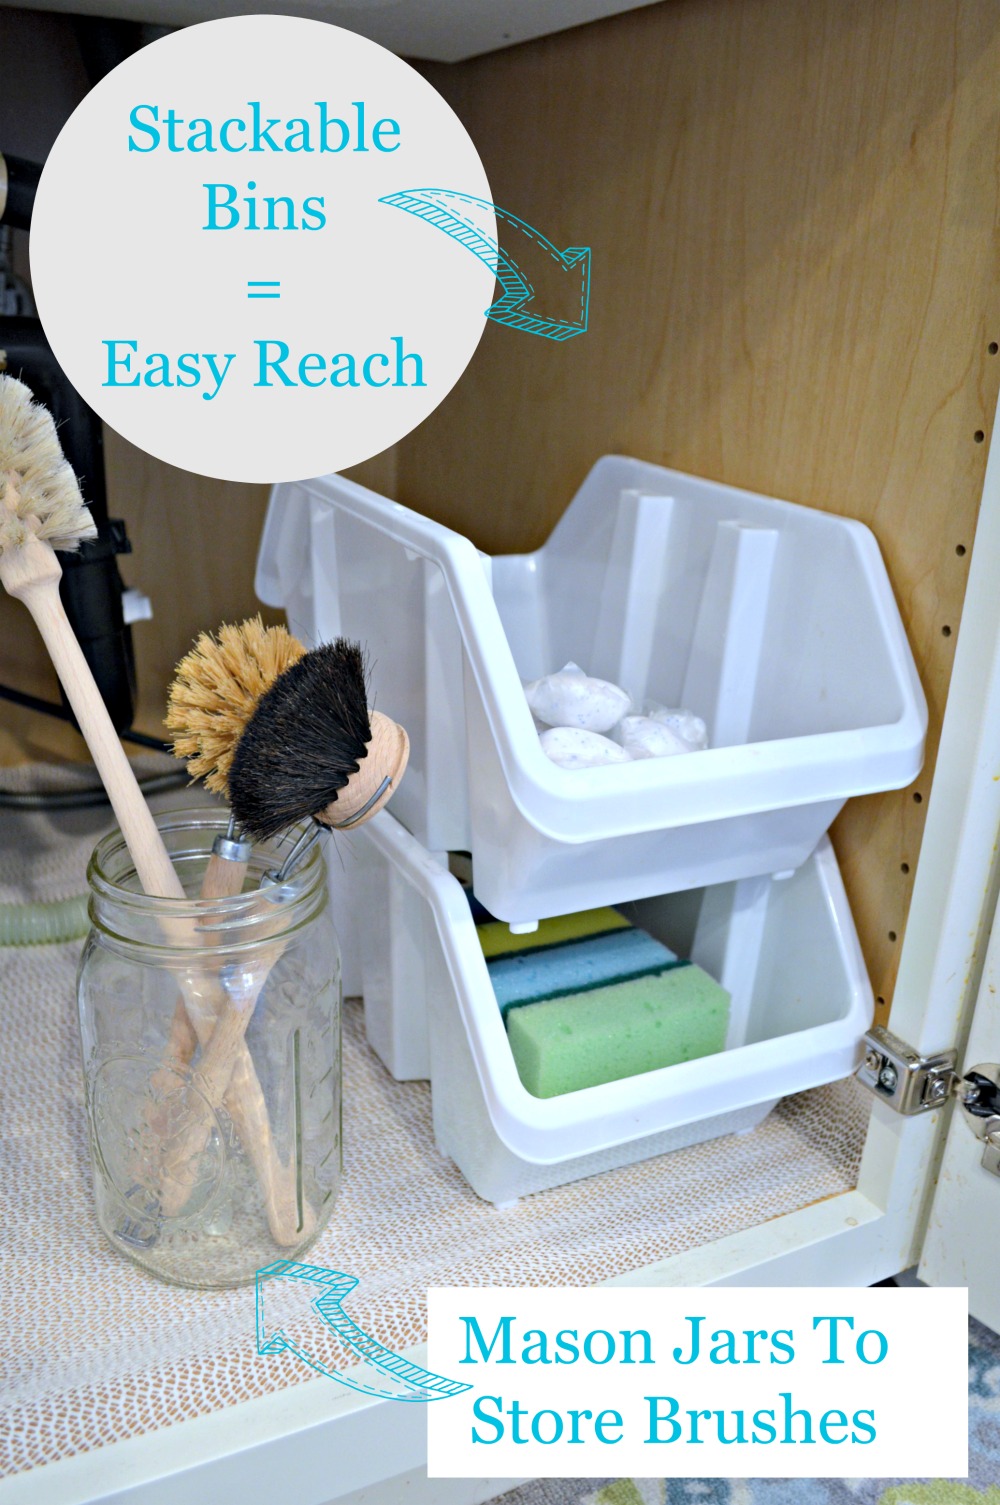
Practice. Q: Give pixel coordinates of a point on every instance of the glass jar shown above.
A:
(211, 1161)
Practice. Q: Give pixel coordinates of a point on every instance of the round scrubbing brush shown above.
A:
(215, 691)
(39, 491)
(311, 748)
(286, 734)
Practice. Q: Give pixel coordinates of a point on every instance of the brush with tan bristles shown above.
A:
(287, 736)
(41, 510)
(214, 693)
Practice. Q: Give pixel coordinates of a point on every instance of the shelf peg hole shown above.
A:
(979, 436)
(946, 631)
(960, 550)
(904, 867)
(918, 798)
(993, 347)
(892, 935)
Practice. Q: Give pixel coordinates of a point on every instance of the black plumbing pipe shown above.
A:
(22, 180)
(91, 587)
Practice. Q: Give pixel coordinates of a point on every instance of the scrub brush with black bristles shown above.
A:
(305, 749)
(41, 510)
(285, 734)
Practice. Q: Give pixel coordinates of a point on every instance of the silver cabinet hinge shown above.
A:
(899, 1075)
(991, 1149)
(912, 1083)
(979, 1099)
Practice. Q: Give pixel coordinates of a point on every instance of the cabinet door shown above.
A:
(963, 1231)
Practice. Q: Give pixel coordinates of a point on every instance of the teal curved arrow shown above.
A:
(468, 220)
(384, 1373)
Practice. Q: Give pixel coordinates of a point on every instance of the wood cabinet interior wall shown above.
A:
(792, 207)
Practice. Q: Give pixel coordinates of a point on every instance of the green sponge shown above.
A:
(564, 1044)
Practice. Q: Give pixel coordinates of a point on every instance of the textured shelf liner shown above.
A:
(97, 1351)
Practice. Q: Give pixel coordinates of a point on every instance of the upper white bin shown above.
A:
(774, 622)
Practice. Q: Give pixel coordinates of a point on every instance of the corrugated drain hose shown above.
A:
(44, 924)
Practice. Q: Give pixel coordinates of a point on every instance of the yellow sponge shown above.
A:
(497, 940)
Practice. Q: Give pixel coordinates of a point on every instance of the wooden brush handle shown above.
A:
(221, 1035)
(217, 1072)
(221, 1077)
(222, 879)
(225, 1073)
(387, 756)
(31, 574)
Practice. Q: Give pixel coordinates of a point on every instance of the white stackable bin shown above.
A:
(774, 622)
(785, 948)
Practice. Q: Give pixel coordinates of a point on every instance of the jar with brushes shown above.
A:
(211, 1038)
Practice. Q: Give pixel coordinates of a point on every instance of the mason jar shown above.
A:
(210, 1031)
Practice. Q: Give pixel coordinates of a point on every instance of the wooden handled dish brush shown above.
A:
(287, 736)
(41, 510)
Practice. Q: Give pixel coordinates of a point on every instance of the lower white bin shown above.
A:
(786, 949)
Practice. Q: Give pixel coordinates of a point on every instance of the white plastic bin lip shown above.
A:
(544, 1131)
(576, 806)
(662, 794)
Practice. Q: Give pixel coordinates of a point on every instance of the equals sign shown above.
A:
(263, 289)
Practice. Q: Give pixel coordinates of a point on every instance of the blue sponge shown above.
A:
(576, 966)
